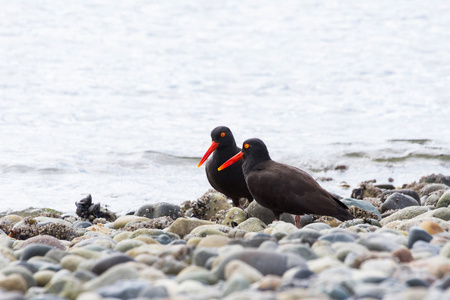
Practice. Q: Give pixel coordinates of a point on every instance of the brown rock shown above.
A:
(403, 255)
(183, 226)
(431, 227)
(269, 283)
(14, 282)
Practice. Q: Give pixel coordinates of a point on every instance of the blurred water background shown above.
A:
(118, 98)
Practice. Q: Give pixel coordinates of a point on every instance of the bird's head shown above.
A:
(221, 136)
(252, 149)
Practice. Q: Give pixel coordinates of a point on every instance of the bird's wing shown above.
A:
(285, 188)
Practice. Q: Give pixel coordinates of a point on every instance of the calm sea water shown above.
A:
(118, 98)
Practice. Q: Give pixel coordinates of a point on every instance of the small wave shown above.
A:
(411, 141)
(399, 158)
(169, 159)
(23, 169)
(411, 156)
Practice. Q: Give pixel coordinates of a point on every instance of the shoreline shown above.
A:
(397, 247)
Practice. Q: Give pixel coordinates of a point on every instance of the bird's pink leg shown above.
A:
(297, 221)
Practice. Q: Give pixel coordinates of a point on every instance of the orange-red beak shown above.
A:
(231, 161)
(210, 150)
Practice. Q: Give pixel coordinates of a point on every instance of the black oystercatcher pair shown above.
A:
(279, 187)
(230, 182)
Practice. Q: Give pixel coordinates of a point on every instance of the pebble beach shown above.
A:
(397, 247)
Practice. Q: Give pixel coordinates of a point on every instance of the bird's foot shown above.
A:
(297, 221)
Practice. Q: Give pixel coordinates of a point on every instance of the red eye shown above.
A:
(222, 134)
(246, 146)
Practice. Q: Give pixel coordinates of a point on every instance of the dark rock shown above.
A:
(104, 264)
(264, 261)
(266, 215)
(303, 273)
(436, 178)
(408, 192)
(88, 210)
(158, 210)
(416, 282)
(163, 239)
(82, 224)
(418, 234)
(384, 186)
(35, 250)
(398, 201)
(201, 256)
(443, 283)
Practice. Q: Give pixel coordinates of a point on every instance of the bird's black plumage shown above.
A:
(284, 188)
(230, 182)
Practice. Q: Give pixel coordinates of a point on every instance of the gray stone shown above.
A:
(111, 276)
(125, 245)
(304, 235)
(34, 250)
(398, 201)
(338, 237)
(201, 255)
(418, 234)
(263, 261)
(380, 242)
(266, 215)
(154, 292)
(432, 187)
(361, 204)
(64, 285)
(298, 249)
(126, 289)
(158, 210)
(109, 261)
(234, 284)
(408, 192)
(433, 198)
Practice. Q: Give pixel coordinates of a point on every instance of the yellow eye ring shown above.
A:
(222, 134)
(246, 146)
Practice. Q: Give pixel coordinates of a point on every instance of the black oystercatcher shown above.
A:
(231, 182)
(284, 188)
